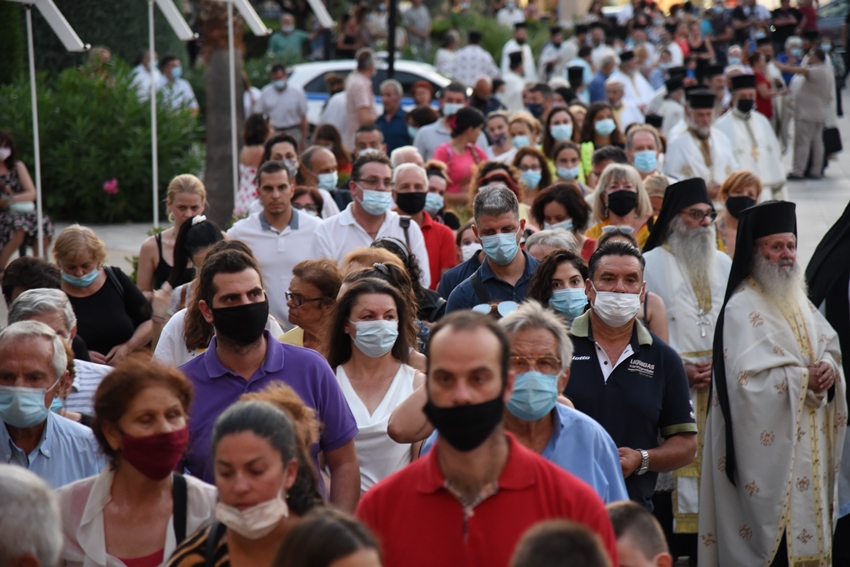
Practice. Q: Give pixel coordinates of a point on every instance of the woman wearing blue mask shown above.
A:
(534, 173)
(113, 316)
(559, 284)
(368, 344)
(327, 135)
(461, 154)
(600, 129)
(566, 161)
(560, 127)
(524, 129)
(562, 206)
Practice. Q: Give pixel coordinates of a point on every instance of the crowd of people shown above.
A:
(560, 322)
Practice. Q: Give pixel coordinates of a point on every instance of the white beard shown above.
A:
(700, 131)
(783, 282)
(693, 248)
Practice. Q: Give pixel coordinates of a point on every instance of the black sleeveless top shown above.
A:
(163, 270)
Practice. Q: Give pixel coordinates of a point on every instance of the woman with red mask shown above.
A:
(137, 511)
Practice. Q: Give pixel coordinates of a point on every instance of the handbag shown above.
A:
(831, 141)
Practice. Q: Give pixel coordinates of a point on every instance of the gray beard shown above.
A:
(783, 282)
(693, 248)
(699, 131)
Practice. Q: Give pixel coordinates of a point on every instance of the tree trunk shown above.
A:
(218, 176)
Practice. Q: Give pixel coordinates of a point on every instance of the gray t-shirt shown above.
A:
(417, 17)
(433, 135)
(814, 96)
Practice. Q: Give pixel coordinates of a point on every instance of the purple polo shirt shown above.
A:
(217, 388)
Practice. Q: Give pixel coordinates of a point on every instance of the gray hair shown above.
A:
(493, 201)
(365, 59)
(30, 521)
(615, 82)
(608, 60)
(29, 329)
(392, 83)
(411, 167)
(532, 315)
(40, 301)
(619, 172)
(793, 41)
(556, 238)
(397, 157)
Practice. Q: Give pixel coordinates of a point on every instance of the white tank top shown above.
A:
(379, 455)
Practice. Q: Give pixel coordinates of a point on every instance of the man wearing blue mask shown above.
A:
(285, 105)
(370, 216)
(626, 378)
(32, 372)
(318, 168)
(176, 91)
(642, 148)
(505, 273)
(429, 137)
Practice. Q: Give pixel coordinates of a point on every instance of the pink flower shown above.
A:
(111, 187)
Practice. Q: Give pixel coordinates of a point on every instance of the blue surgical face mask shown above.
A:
(412, 131)
(797, 51)
(451, 108)
(562, 132)
(434, 203)
(605, 127)
(531, 178)
(564, 224)
(734, 60)
(375, 338)
(569, 302)
(535, 395)
(646, 161)
(177, 72)
(520, 142)
(328, 181)
(23, 407)
(56, 405)
(501, 248)
(568, 173)
(376, 203)
(279, 84)
(81, 281)
(759, 35)
(826, 47)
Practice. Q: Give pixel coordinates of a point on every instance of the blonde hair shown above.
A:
(186, 183)
(528, 119)
(656, 185)
(739, 180)
(75, 240)
(619, 172)
(365, 257)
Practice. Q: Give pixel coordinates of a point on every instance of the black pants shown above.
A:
(781, 558)
(841, 543)
(680, 545)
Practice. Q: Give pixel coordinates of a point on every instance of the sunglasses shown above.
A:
(501, 308)
(621, 228)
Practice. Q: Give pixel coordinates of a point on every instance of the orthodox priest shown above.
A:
(702, 150)
(752, 136)
(778, 412)
(685, 268)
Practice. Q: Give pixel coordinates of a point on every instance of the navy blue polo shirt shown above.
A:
(454, 276)
(464, 296)
(395, 130)
(645, 396)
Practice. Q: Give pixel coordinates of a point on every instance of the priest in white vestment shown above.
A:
(685, 268)
(625, 113)
(519, 43)
(672, 108)
(777, 414)
(638, 91)
(752, 136)
(702, 150)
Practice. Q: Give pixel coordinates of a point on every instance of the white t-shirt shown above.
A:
(278, 253)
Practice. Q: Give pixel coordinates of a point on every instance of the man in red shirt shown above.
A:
(468, 502)
(410, 194)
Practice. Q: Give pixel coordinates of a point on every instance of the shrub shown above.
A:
(93, 132)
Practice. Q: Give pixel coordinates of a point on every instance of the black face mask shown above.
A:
(746, 105)
(622, 203)
(242, 325)
(520, 41)
(411, 203)
(466, 427)
(735, 205)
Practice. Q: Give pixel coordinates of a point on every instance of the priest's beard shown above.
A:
(693, 248)
(701, 131)
(783, 282)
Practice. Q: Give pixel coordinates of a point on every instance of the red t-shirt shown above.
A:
(441, 246)
(810, 14)
(460, 166)
(420, 523)
(763, 105)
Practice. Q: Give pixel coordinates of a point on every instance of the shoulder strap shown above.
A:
(158, 239)
(479, 288)
(404, 222)
(110, 273)
(179, 495)
(212, 541)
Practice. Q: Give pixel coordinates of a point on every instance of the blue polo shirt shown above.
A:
(217, 388)
(395, 130)
(646, 395)
(464, 296)
(454, 276)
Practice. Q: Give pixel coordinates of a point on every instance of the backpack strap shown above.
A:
(479, 288)
(179, 495)
(110, 273)
(404, 223)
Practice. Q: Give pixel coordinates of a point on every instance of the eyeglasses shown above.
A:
(545, 364)
(372, 183)
(698, 216)
(308, 207)
(621, 228)
(501, 308)
(298, 299)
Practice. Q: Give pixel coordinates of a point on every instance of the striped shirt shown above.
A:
(88, 376)
(193, 551)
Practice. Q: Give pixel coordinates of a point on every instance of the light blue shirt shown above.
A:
(583, 448)
(67, 452)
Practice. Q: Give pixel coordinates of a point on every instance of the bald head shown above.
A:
(483, 88)
(315, 161)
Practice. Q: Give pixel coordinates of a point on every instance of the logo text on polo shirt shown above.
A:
(642, 367)
(577, 357)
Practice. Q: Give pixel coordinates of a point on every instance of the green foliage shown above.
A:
(13, 63)
(93, 131)
(120, 25)
(134, 260)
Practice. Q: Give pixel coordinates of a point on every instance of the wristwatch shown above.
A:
(644, 461)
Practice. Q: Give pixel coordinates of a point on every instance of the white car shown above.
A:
(311, 77)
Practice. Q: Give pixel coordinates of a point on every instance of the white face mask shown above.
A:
(615, 309)
(5, 153)
(469, 250)
(255, 522)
